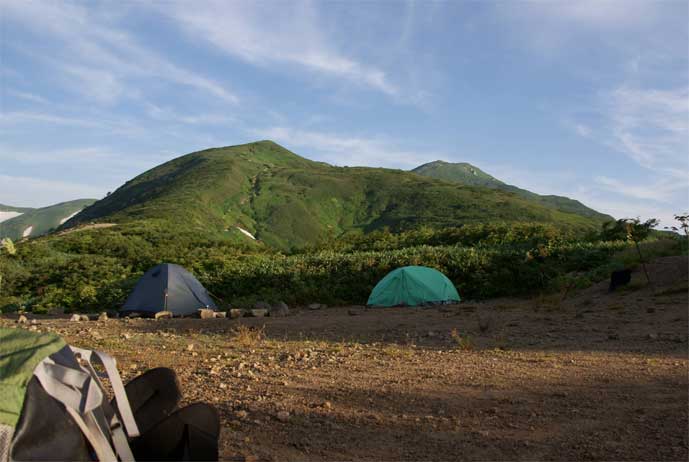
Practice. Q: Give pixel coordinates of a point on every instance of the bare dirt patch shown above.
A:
(597, 376)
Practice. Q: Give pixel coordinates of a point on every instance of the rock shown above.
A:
(283, 416)
(327, 405)
(103, 316)
(652, 336)
(354, 312)
(84, 317)
(220, 314)
(242, 414)
(75, 317)
(205, 313)
(34, 322)
(22, 319)
(258, 313)
(190, 347)
(163, 315)
(262, 306)
(280, 309)
(315, 306)
(235, 313)
(613, 336)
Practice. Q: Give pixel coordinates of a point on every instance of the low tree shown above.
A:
(8, 246)
(631, 229)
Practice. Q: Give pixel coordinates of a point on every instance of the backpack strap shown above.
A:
(110, 366)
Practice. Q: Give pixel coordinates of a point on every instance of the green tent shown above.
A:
(413, 286)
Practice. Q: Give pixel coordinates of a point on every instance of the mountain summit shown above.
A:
(262, 190)
(466, 174)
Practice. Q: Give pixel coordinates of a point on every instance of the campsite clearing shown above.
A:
(594, 376)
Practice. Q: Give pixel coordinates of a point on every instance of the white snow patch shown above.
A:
(246, 232)
(27, 231)
(67, 218)
(7, 215)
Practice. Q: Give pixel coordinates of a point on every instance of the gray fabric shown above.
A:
(168, 287)
(6, 433)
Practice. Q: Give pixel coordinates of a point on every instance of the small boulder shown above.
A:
(84, 317)
(283, 416)
(22, 319)
(235, 313)
(652, 336)
(163, 315)
(315, 306)
(75, 317)
(280, 309)
(220, 314)
(256, 313)
(103, 316)
(205, 313)
(260, 305)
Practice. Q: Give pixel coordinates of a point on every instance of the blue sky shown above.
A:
(588, 99)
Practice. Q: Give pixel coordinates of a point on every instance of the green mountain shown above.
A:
(468, 175)
(35, 222)
(7, 212)
(263, 190)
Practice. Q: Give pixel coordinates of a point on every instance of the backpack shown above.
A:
(53, 406)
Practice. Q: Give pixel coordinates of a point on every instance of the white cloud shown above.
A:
(651, 126)
(38, 192)
(34, 98)
(347, 150)
(659, 190)
(169, 115)
(96, 59)
(274, 34)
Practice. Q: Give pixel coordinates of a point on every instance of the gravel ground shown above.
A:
(595, 376)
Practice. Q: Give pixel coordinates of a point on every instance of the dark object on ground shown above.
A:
(620, 278)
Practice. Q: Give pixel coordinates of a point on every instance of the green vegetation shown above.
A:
(42, 220)
(468, 175)
(325, 234)
(289, 202)
(94, 269)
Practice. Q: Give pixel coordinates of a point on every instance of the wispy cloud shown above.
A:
(651, 126)
(27, 96)
(97, 59)
(38, 192)
(658, 190)
(267, 35)
(341, 149)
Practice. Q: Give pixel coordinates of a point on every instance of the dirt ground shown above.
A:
(596, 376)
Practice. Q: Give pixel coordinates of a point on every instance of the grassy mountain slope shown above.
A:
(7, 212)
(286, 200)
(466, 174)
(41, 220)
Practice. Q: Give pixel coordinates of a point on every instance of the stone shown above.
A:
(258, 313)
(283, 416)
(163, 315)
(22, 319)
(327, 405)
(242, 414)
(354, 312)
(280, 309)
(261, 305)
(652, 336)
(220, 314)
(84, 317)
(103, 316)
(190, 347)
(75, 317)
(205, 313)
(315, 306)
(235, 313)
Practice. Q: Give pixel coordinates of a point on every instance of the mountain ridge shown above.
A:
(466, 174)
(289, 201)
(34, 222)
